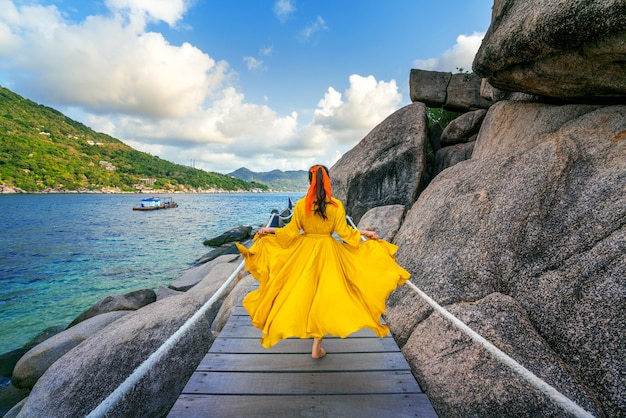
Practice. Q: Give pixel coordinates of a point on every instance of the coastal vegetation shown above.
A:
(42, 150)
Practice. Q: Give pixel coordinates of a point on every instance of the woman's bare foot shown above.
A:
(317, 351)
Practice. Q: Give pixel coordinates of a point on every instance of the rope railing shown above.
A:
(554, 395)
(127, 385)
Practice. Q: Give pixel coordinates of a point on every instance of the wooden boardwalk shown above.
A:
(361, 376)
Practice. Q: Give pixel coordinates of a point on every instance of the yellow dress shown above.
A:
(312, 285)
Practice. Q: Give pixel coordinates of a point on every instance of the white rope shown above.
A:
(545, 388)
(115, 396)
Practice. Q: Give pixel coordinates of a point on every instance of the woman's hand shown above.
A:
(264, 231)
(369, 234)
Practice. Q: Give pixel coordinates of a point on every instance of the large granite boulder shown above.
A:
(385, 220)
(128, 302)
(462, 128)
(538, 214)
(387, 166)
(194, 275)
(458, 92)
(76, 383)
(572, 50)
(451, 362)
(39, 358)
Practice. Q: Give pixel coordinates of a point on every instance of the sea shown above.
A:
(61, 253)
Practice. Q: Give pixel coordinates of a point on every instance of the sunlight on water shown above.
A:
(60, 253)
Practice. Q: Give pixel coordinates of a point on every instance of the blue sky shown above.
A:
(233, 83)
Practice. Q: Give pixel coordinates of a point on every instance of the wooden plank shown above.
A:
(362, 406)
(302, 362)
(303, 346)
(241, 326)
(331, 383)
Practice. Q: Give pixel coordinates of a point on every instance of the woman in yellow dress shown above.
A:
(311, 284)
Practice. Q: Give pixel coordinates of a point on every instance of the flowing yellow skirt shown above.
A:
(319, 286)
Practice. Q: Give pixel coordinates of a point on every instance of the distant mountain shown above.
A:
(287, 181)
(43, 150)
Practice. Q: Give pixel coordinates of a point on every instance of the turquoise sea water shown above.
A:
(60, 253)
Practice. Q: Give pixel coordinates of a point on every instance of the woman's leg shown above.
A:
(317, 351)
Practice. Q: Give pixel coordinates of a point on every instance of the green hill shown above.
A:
(288, 181)
(41, 149)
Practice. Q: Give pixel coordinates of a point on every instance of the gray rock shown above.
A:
(538, 214)
(37, 360)
(128, 302)
(458, 92)
(166, 292)
(429, 87)
(449, 156)
(463, 128)
(206, 287)
(194, 275)
(494, 94)
(571, 50)
(464, 379)
(239, 233)
(225, 249)
(463, 94)
(385, 220)
(386, 167)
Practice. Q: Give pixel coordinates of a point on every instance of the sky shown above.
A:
(224, 84)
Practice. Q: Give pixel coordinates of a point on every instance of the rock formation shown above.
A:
(537, 214)
(521, 232)
(570, 50)
(381, 170)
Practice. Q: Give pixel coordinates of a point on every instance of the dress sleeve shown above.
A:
(287, 234)
(348, 234)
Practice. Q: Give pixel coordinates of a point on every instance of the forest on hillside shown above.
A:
(41, 149)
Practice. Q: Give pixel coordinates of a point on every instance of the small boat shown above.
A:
(155, 203)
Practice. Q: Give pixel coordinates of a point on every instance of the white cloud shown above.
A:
(253, 64)
(139, 12)
(283, 9)
(461, 55)
(367, 103)
(313, 28)
(176, 101)
(104, 65)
